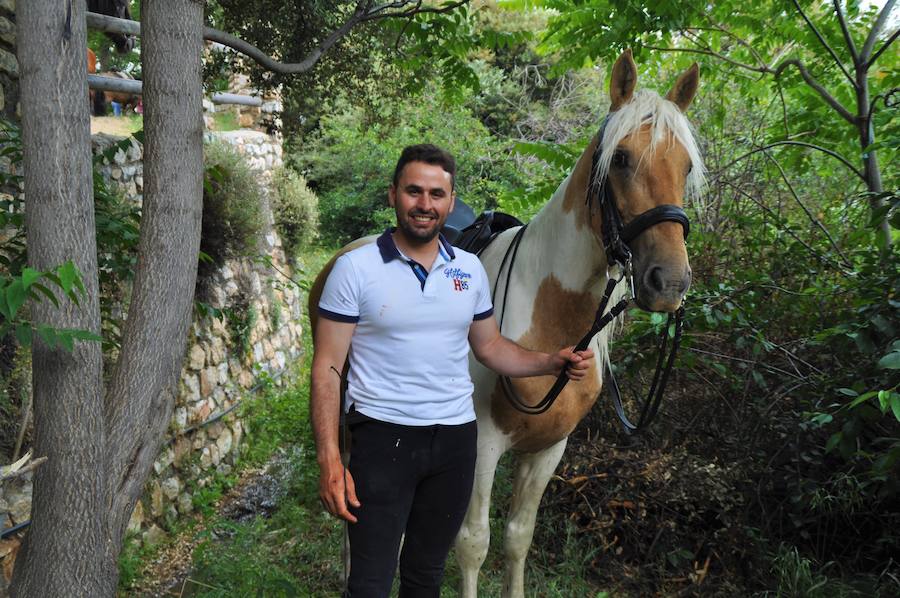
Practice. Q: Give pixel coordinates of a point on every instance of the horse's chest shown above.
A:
(559, 318)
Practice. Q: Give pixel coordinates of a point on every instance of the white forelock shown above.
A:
(666, 122)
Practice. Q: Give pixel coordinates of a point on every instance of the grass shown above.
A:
(122, 126)
(225, 121)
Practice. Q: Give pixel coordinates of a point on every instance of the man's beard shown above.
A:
(415, 235)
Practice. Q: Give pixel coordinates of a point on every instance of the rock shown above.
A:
(19, 504)
(255, 285)
(154, 535)
(237, 432)
(196, 358)
(219, 397)
(223, 469)
(226, 273)
(245, 379)
(215, 430)
(234, 367)
(115, 173)
(199, 440)
(171, 487)
(205, 458)
(7, 31)
(208, 379)
(258, 352)
(270, 237)
(9, 5)
(8, 63)
(139, 182)
(156, 499)
(214, 454)
(216, 351)
(136, 153)
(192, 388)
(225, 441)
(268, 349)
(180, 418)
(185, 503)
(137, 518)
(128, 171)
(280, 359)
(181, 450)
(120, 158)
(223, 374)
(231, 288)
(165, 458)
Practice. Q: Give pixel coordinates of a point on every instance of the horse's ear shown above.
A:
(624, 77)
(682, 93)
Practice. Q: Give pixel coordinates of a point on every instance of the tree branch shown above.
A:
(755, 69)
(822, 40)
(889, 41)
(806, 211)
(364, 12)
(876, 31)
(812, 82)
(831, 153)
(847, 38)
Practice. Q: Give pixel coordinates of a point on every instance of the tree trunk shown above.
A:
(65, 552)
(144, 383)
(871, 169)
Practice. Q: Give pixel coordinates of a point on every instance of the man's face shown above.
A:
(422, 199)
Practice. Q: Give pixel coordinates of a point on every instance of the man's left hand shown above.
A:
(577, 363)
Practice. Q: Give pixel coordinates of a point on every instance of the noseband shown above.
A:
(616, 238)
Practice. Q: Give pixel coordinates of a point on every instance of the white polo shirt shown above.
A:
(409, 351)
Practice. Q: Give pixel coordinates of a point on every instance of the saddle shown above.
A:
(473, 234)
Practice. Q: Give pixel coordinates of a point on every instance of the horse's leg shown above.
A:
(532, 475)
(474, 535)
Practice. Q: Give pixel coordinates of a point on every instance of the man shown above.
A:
(407, 308)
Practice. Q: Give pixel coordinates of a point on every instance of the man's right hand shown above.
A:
(332, 488)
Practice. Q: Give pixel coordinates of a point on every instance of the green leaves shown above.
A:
(16, 290)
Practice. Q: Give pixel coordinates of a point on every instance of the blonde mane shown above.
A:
(666, 122)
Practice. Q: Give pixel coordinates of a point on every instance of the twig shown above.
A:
(742, 360)
(821, 39)
(847, 38)
(20, 438)
(809, 214)
(831, 153)
(876, 31)
(812, 82)
(889, 41)
(20, 472)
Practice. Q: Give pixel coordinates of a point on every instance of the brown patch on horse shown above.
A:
(560, 318)
(315, 292)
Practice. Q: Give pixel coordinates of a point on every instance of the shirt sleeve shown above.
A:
(484, 308)
(340, 297)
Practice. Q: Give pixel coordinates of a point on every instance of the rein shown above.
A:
(615, 236)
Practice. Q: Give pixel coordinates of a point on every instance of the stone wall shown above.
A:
(221, 366)
(9, 65)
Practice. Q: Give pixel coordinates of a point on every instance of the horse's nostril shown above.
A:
(654, 279)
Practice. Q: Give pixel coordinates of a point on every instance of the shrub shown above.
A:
(232, 211)
(296, 210)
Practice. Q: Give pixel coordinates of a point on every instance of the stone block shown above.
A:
(214, 454)
(258, 352)
(180, 418)
(185, 503)
(196, 357)
(245, 379)
(216, 350)
(165, 458)
(234, 367)
(192, 388)
(280, 360)
(181, 449)
(115, 173)
(223, 373)
(137, 518)
(9, 5)
(154, 535)
(225, 441)
(7, 31)
(121, 157)
(8, 63)
(237, 433)
(208, 380)
(206, 458)
(213, 431)
(156, 499)
(219, 397)
(268, 349)
(171, 487)
(199, 440)
(255, 284)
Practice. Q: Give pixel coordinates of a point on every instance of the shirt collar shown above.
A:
(389, 251)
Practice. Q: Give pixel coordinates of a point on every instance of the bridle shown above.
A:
(615, 238)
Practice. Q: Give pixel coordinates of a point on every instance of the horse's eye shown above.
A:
(690, 168)
(620, 159)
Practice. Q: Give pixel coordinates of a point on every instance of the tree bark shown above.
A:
(65, 552)
(144, 383)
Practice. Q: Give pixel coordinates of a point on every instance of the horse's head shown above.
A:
(649, 158)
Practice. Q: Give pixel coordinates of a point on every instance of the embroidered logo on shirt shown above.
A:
(460, 279)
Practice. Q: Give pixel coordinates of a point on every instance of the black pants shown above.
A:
(415, 480)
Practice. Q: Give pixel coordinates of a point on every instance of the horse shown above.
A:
(119, 9)
(650, 160)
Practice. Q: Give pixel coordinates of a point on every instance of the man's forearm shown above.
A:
(510, 359)
(324, 407)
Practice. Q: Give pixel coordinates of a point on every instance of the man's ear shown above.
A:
(392, 195)
(452, 201)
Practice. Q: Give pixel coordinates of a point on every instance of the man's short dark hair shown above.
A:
(430, 154)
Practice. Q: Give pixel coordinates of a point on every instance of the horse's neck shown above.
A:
(559, 252)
